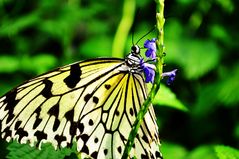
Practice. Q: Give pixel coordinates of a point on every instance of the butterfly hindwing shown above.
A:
(94, 102)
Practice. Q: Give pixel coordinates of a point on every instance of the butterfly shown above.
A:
(93, 103)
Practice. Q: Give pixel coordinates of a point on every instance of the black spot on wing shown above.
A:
(107, 86)
(144, 156)
(54, 110)
(38, 120)
(18, 123)
(95, 100)
(151, 155)
(38, 111)
(145, 138)
(85, 149)
(59, 139)
(74, 77)
(87, 97)
(105, 151)
(36, 123)
(158, 154)
(21, 132)
(40, 136)
(81, 127)
(10, 117)
(73, 128)
(56, 124)
(119, 149)
(117, 113)
(46, 92)
(96, 140)
(11, 103)
(84, 137)
(131, 111)
(69, 115)
(94, 154)
(91, 122)
(8, 132)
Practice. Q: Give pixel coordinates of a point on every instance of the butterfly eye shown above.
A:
(135, 49)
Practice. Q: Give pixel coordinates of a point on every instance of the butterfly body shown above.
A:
(93, 103)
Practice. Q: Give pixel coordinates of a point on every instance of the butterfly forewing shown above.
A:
(94, 102)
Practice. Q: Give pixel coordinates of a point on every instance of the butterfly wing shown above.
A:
(94, 102)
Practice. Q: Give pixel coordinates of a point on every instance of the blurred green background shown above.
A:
(201, 40)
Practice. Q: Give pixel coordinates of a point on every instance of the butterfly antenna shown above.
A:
(146, 34)
(132, 37)
(134, 25)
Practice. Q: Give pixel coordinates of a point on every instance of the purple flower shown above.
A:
(149, 71)
(151, 48)
(171, 76)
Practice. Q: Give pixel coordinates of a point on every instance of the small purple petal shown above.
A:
(153, 55)
(170, 80)
(148, 53)
(171, 73)
(152, 76)
(147, 43)
(149, 74)
(151, 48)
(171, 76)
(148, 71)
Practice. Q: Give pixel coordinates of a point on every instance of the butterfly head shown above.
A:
(135, 49)
(135, 62)
(133, 58)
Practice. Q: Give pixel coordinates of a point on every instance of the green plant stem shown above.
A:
(158, 72)
(160, 42)
(123, 28)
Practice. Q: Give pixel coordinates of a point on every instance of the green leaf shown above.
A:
(202, 152)
(228, 5)
(228, 87)
(197, 57)
(8, 64)
(27, 152)
(14, 26)
(44, 62)
(167, 98)
(38, 64)
(66, 19)
(226, 152)
(184, 2)
(96, 47)
(173, 151)
(236, 131)
(206, 100)
(224, 91)
(220, 33)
